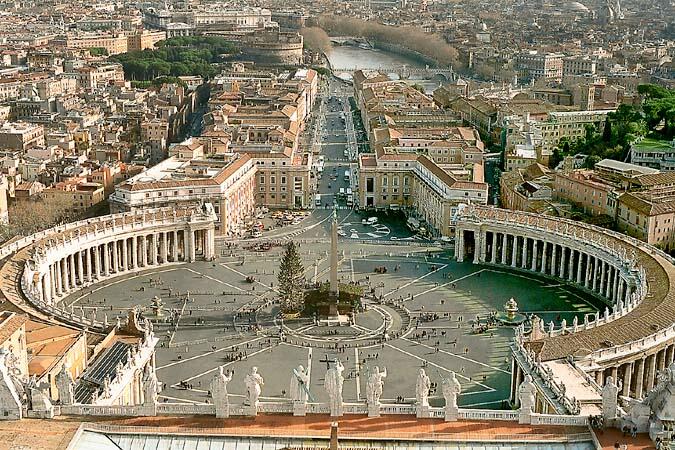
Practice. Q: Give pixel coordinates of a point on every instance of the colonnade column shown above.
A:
(627, 375)
(47, 286)
(459, 246)
(483, 246)
(164, 249)
(505, 240)
(97, 262)
(651, 371)
(570, 269)
(554, 261)
(579, 261)
(514, 251)
(144, 251)
(192, 246)
(90, 271)
(493, 250)
(615, 292)
(106, 260)
(603, 269)
(544, 249)
(58, 277)
(640, 378)
(523, 255)
(670, 354)
(588, 272)
(533, 267)
(174, 249)
(563, 261)
(125, 254)
(115, 257)
(134, 252)
(80, 267)
(73, 273)
(65, 283)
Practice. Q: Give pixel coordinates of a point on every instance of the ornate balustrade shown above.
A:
(487, 414)
(554, 419)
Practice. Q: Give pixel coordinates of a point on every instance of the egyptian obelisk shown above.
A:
(334, 289)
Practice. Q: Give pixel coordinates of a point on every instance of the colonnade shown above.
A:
(638, 376)
(594, 272)
(68, 271)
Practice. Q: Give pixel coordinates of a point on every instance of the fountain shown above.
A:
(510, 316)
(157, 306)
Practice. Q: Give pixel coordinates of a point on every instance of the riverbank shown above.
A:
(405, 52)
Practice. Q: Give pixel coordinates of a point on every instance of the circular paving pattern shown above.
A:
(416, 314)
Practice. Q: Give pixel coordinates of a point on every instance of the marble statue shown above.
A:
(422, 388)
(333, 382)
(65, 384)
(375, 385)
(10, 398)
(610, 393)
(451, 390)
(150, 385)
(254, 383)
(299, 386)
(38, 400)
(527, 394)
(107, 392)
(218, 388)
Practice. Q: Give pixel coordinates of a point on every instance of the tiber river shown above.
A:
(347, 56)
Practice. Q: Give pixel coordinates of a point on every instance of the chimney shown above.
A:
(334, 436)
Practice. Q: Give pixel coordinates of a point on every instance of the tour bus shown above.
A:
(342, 192)
(350, 197)
(347, 175)
(317, 200)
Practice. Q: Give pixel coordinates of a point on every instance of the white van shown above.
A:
(317, 200)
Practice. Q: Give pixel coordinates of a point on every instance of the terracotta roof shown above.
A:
(444, 176)
(10, 324)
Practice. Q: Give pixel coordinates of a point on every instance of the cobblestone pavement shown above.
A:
(225, 320)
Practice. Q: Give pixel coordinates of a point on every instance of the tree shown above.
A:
(591, 161)
(31, 216)
(315, 39)
(291, 280)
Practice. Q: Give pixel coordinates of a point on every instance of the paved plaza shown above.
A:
(426, 304)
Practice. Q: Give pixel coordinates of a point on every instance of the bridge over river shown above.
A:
(404, 71)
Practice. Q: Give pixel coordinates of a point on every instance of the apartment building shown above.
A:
(144, 39)
(21, 136)
(98, 75)
(262, 115)
(657, 154)
(527, 189)
(587, 191)
(229, 184)
(76, 194)
(417, 184)
(579, 65)
(112, 43)
(533, 65)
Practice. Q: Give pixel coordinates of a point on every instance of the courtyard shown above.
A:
(420, 313)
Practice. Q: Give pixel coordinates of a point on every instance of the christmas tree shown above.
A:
(291, 280)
